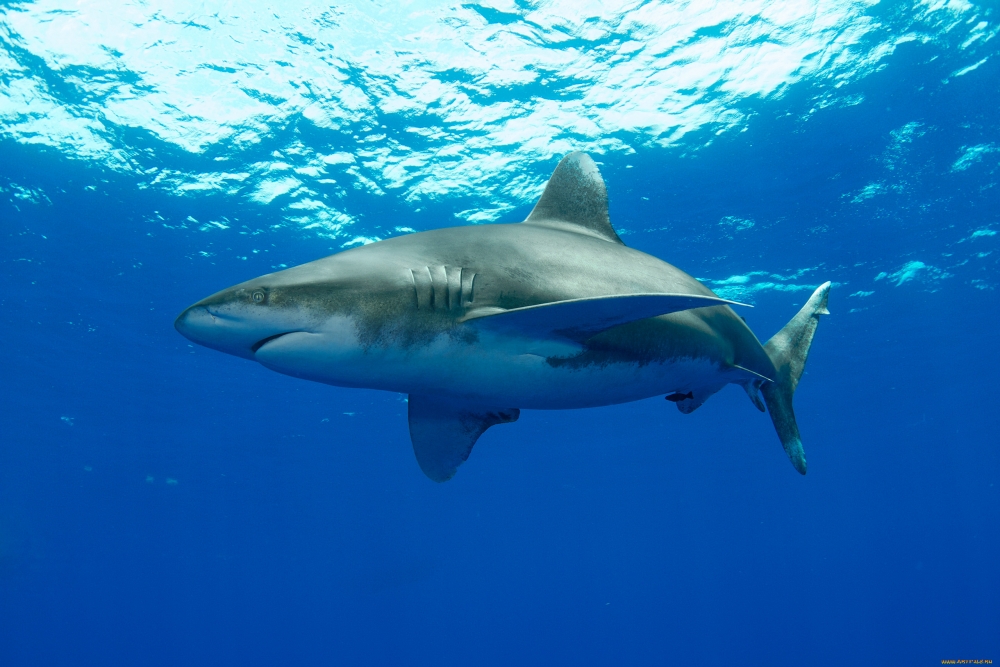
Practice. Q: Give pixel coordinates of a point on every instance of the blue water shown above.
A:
(165, 504)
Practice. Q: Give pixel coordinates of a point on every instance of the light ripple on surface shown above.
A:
(423, 100)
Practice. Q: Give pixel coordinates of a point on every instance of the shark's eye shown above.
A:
(257, 296)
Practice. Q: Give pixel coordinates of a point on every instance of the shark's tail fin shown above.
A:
(788, 350)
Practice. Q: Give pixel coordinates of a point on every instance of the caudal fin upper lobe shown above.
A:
(788, 350)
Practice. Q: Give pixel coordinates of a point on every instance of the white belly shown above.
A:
(497, 371)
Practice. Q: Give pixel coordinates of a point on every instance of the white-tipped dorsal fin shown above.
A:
(575, 200)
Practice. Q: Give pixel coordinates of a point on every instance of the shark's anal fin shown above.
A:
(579, 319)
(753, 391)
(575, 200)
(752, 384)
(443, 432)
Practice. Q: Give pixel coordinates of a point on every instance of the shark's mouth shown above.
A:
(264, 341)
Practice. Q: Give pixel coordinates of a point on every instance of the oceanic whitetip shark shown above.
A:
(479, 321)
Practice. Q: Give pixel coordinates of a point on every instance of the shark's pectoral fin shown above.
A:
(579, 319)
(443, 432)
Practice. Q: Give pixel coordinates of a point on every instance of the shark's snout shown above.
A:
(200, 325)
(192, 320)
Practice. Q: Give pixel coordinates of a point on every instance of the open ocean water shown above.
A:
(166, 504)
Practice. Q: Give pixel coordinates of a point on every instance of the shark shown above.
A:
(475, 323)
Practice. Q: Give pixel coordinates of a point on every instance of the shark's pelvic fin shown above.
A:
(443, 432)
(788, 350)
(579, 319)
(575, 200)
(696, 400)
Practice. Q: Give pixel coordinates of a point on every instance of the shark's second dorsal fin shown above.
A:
(575, 200)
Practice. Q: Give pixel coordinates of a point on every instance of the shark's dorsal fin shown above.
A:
(575, 200)
(443, 432)
(579, 319)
